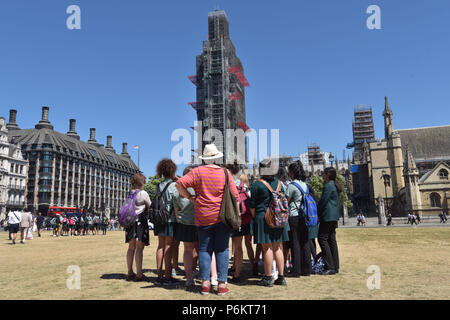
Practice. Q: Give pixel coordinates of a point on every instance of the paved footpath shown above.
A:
(373, 223)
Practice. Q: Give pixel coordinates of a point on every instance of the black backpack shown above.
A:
(158, 214)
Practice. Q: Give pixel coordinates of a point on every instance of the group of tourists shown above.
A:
(194, 202)
(59, 224)
(19, 220)
(413, 218)
(360, 219)
(72, 225)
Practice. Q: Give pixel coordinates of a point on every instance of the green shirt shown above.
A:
(328, 205)
(170, 194)
(186, 212)
(261, 196)
(295, 196)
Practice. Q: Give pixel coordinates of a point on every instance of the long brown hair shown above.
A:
(331, 172)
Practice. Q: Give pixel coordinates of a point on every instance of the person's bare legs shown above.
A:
(160, 255)
(238, 255)
(130, 256)
(195, 256)
(168, 256)
(278, 256)
(213, 267)
(188, 259)
(249, 246)
(267, 258)
(139, 255)
(175, 252)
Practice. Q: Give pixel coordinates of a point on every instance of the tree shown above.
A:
(150, 186)
(317, 183)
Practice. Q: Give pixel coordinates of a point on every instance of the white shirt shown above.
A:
(14, 217)
(142, 199)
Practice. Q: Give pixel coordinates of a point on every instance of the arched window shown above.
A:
(443, 174)
(435, 200)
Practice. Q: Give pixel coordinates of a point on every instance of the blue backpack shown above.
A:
(308, 208)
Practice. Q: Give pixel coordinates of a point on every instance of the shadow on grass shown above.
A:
(114, 276)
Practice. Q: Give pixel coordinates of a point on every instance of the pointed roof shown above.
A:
(410, 163)
(387, 110)
(427, 144)
(429, 173)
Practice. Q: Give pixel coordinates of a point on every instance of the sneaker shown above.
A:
(214, 282)
(174, 272)
(222, 291)
(159, 282)
(236, 280)
(281, 281)
(189, 283)
(179, 271)
(265, 282)
(171, 282)
(205, 290)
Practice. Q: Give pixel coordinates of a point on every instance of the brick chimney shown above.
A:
(44, 123)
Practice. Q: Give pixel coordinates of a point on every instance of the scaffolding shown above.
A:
(219, 82)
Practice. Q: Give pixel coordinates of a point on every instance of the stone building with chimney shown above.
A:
(65, 171)
(13, 174)
(408, 170)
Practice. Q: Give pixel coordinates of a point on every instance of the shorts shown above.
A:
(138, 231)
(185, 233)
(14, 228)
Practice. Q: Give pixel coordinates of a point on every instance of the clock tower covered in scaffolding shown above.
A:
(220, 83)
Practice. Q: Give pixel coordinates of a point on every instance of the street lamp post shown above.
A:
(386, 181)
(331, 158)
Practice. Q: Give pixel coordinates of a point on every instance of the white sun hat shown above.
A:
(211, 152)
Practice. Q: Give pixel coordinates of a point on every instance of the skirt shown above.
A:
(185, 233)
(245, 230)
(265, 234)
(166, 231)
(138, 231)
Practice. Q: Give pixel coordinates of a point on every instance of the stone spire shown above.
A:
(410, 164)
(388, 124)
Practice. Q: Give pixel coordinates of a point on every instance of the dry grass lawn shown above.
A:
(413, 261)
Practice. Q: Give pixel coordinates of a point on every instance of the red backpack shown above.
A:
(244, 205)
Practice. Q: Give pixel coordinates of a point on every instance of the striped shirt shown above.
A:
(209, 183)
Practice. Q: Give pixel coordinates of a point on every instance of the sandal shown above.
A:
(141, 279)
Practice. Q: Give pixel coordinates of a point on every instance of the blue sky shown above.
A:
(309, 64)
